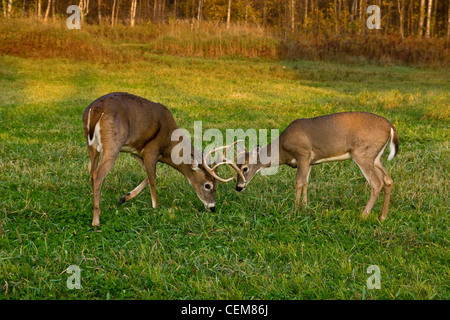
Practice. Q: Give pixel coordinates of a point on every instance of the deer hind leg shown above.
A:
(130, 195)
(387, 187)
(107, 162)
(93, 155)
(372, 176)
(301, 182)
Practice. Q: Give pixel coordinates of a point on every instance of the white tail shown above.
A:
(392, 146)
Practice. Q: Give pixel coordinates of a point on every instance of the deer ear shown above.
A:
(255, 150)
(194, 163)
(240, 147)
(241, 152)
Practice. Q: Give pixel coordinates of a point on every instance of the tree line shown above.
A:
(405, 18)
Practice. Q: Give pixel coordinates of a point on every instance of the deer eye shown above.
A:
(245, 169)
(207, 186)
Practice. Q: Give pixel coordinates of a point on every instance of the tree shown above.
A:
(424, 18)
(99, 9)
(229, 14)
(116, 18)
(133, 12)
(306, 11)
(421, 17)
(159, 9)
(47, 12)
(200, 11)
(39, 7)
(430, 6)
(400, 6)
(112, 12)
(84, 8)
(9, 9)
(337, 13)
(264, 13)
(292, 15)
(448, 26)
(175, 9)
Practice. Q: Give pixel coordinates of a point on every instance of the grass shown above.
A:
(255, 246)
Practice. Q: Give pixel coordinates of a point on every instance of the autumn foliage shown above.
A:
(412, 32)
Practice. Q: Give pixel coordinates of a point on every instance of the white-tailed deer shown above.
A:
(361, 136)
(122, 122)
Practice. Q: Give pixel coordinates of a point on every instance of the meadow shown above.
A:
(255, 246)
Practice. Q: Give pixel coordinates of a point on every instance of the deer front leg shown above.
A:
(301, 182)
(130, 195)
(150, 160)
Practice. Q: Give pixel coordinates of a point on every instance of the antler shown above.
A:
(225, 161)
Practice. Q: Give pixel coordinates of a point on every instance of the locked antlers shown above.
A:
(224, 160)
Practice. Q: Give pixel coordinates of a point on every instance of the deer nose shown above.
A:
(211, 207)
(239, 188)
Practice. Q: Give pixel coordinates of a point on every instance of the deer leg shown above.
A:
(376, 184)
(387, 187)
(93, 155)
(150, 161)
(107, 162)
(305, 186)
(301, 182)
(130, 195)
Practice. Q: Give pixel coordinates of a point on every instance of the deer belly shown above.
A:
(341, 157)
(129, 149)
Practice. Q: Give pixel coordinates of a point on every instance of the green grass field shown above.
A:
(255, 246)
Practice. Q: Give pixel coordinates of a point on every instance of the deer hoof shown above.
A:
(123, 199)
(364, 215)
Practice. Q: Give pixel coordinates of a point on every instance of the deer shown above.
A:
(361, 136)
(122, 122)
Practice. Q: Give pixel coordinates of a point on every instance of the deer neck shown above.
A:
(272, 154)
(184, 167)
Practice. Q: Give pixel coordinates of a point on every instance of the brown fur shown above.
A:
(306, 142)
(129, 123)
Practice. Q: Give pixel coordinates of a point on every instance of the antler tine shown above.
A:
(211, 170)
(234, 166)
(227, 161)
(224, 151)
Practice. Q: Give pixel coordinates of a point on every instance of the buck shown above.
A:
(361, 136)
(122, 122)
